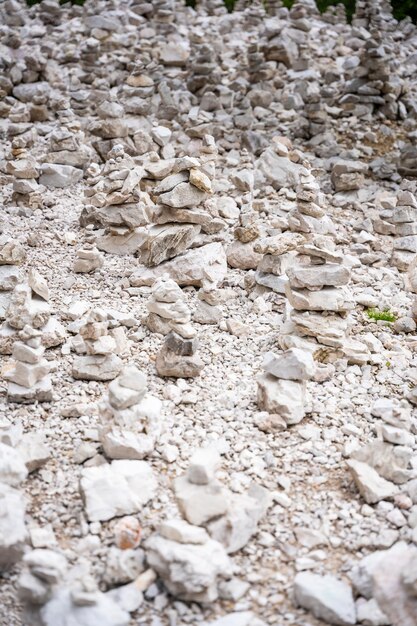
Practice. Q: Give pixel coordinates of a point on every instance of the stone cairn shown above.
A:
(110, 128)
(229, 518)
(114, 201)
(375, 82)
(317, 294)
(29, 380)
(98, 359)
(68, 148)
(50, 590)
(169, 315)
(282, 388)
(168, 310)
(403, 221)
(89, 259)
(13, 471)
(26, 172)
(178, 357)
(28, 313)
(203, 69)
(181, 211)
(207, 564)
(12, 254)
(130, 417)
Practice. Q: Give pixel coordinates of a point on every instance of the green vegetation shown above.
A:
(402, 8)
(385, 316)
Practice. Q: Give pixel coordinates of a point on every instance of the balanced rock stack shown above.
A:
(178, 357)
(168, 309)
(182, 212)
(29, 380)
(279, 254)
(100, 348)
(318, 297)
(282, 388)
(89, 259)
(13, 531)
(26, 171)
(27, 306)
(12, 254)
(380, 466)
(375, 82)
(114, 200)
(53, 595)
(68, 153)
(111, 128)
(130, 417)
(191, 565)
(309, 216)
(230, 518)
(404, 220)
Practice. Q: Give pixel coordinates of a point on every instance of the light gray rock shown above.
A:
(13, 533)
(166, 241)
(326, 597)
(277, 170)
(203, 466)
(200, 503)
(199, 267)
(241, 618)
(10, 276)
(95, 367)
(393, 583)
(234, 529)
(315, 277)
(26, 309)
(369, 613)
(184, 195)
(285, 398)
(390, 461)
(371, 486)
(60, 176)
(293, 364)
(12, 466)
(178, 530)
(121, 488)
(190, 572)
(62, 611)
(34, 451)
(327, 299)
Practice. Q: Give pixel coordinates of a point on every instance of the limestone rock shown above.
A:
(283, 397)
(326, 597)
(371, 486)
(121, 488)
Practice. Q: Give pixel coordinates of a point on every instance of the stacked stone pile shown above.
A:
(98, 349)
(131, 421)
(114, 201)
(229, 518)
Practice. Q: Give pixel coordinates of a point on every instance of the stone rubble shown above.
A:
(131, 421)
(207, 244)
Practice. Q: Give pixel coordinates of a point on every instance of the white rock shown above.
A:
(54, 175)
(203, 466)
(190, 572)
(121, 488)
(294, 364)
(371, 486)
(12, 466)
(326, 597)
(13, 533)
(285, 398)
(178, 530)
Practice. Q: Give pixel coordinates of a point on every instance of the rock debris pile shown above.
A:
(208, 278)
